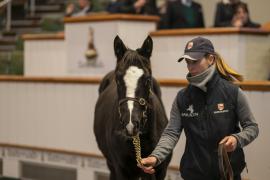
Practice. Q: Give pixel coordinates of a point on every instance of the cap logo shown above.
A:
(190, 45)
(220, 106)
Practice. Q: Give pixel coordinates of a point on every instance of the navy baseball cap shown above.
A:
(197, 48)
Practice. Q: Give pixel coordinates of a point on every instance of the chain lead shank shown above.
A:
(137, 147)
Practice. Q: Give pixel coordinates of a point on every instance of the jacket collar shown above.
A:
(213, 81)
(202, 79)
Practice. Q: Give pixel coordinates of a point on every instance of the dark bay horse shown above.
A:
(130, 104)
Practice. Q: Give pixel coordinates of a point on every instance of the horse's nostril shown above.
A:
(128, 133)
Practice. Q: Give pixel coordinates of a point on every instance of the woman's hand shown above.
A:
(138, 5)
(237, 22)
(70, 8)
(230, 143)
(147, 164)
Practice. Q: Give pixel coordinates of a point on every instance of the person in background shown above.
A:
(148, 7)
(85, 7)
(224, 12)
(210, 110)
(162, 9)
(183, 14)
(241, 17)
(233, 13)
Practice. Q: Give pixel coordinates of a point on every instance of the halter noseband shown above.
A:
(142, 103)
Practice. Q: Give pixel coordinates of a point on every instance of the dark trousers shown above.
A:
(237, 177)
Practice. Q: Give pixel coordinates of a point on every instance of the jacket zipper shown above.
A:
(208, 136)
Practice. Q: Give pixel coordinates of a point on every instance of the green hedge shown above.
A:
(8, 178)
(52, 25)
(12, 63)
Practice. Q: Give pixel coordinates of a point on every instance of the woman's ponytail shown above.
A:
(226, 71)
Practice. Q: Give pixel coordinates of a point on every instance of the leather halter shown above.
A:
(141, 101)
(225, 168)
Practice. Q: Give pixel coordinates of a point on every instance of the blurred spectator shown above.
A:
(224, 12)
(233, 13)
(183, 14)
(115, 6)
(133, 7)
(162, 9)
(85, 7)
(241, 17)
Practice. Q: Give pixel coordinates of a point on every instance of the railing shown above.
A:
(263, 86)
(32, 7)
(8, 3)
(4, 3)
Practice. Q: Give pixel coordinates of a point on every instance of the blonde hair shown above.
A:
(225, 70)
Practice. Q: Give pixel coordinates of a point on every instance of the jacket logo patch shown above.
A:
(221, 109)
(190, 109)
(190, 45)
(190, 113)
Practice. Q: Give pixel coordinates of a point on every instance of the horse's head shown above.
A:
(133, 78)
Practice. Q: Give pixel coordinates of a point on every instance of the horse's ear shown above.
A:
(119, 48)
(147, 47)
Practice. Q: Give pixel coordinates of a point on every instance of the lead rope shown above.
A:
(225, 167)
(137, 146)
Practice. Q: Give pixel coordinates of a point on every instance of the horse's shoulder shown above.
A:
(156, 103)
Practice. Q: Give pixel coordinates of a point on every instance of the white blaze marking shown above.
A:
(131, 78)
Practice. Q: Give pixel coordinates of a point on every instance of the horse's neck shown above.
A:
(157, 119)
(106, 81)
(156, 88)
